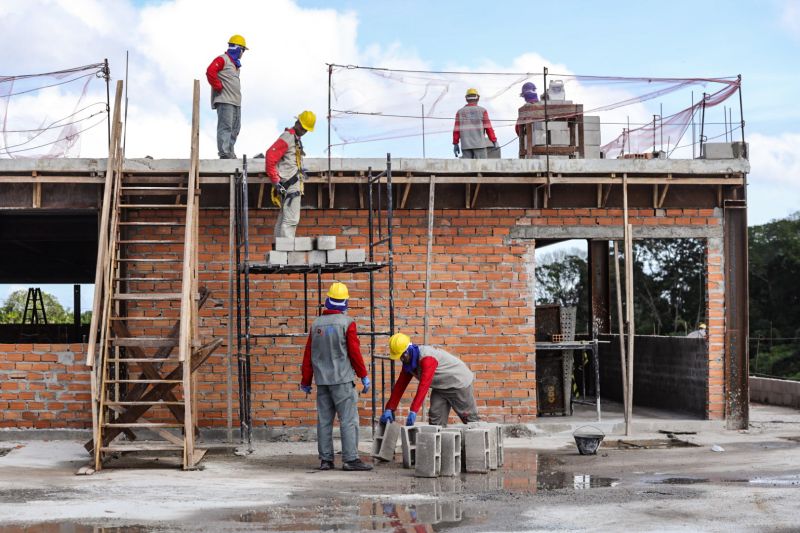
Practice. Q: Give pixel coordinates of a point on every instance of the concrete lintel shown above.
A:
(615, 232)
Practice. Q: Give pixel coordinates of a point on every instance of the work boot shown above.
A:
(356, 465)
(326, 465)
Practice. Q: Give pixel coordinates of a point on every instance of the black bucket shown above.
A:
(588, 442)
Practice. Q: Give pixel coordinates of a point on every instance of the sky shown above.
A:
(171, 42)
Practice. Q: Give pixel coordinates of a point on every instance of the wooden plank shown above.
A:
(143, 447)
(475, 195)
(134, 425)
(144, 342)
(260, 202)
(151, 206)
(148, 296)
(406, 190)
(663, 195)
(428, 253)
(37, 192)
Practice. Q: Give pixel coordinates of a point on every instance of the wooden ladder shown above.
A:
(146, 305)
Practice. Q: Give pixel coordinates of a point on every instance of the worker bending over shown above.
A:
(449, 379)
(333, 359)
(472, 121)
(226, 95)
(284, 162)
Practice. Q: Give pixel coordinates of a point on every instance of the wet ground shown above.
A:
(646, 484)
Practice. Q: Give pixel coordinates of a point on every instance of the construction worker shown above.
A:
(449, 379)
(699, 333)
(525, 115)
(333, 359)
(226, 95)
(471, 122)
(285, 170)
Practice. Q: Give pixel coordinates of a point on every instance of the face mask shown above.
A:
(235, 53)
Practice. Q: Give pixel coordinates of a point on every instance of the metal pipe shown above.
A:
(107, 76)
(371, 298)
(741, 121)
(546, 132)
(231, 247)
(330, 76)
(694, 137)
(389, 222)
(245, 227)
(423, 131)
(702, 123)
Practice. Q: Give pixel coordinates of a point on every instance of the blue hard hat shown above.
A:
(528, 87)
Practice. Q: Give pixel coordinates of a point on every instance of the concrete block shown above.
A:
(274, 257)
(408, 442)
(356, 255)
(385, 441)
(451, 453)
(429, 454)
(460, 429)
(557, 125)
(336, 256)
(476, 448)
(538, 137)
(492, 447)
(303, 244)
(718, 151)
(559, 138)
(297, 258)
(591, 152)
(317, 257)
(591, 138)
(284, 244)
(426, 513)
(451, 511)
(427, 428)
(501, 453)
(591, 123)
(326, 242)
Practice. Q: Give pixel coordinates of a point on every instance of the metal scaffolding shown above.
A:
(380, 235)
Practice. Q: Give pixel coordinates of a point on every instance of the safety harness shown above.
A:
(280, 199)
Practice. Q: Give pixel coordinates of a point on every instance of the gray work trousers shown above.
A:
(341, 400)
(289, 216)
(229, 122)
(461, 400)
(474, 153)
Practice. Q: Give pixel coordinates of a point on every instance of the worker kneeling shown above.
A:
(333, 359)
(449, 379)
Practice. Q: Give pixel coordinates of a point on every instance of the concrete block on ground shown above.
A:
(591, 123)
(326, 242)
(385, 441)
(459, 428)
(476, 448)
(317, 257)
(337, 256)
(297, 258)
(303, 244)
(429, 454)
(591, 138)
(451, 511)
(429, 428)
(501, 452)
(274, 257)
(426, 513)
(492, 447)
(408, 442)
(284, 244)
(451, 453)
(356, 255)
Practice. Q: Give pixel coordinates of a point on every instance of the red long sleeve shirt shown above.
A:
(274, 154)
(353, 353)
(212, 71)
(487, 126)
(427, 368)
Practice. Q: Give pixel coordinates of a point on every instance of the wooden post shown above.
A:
(231, 266)
(431, 197)
(628, 242)
(620, 322)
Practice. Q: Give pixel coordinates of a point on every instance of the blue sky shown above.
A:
(172, 41)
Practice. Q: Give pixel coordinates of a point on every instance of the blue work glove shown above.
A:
(387, 416)
(494, 143)
(412, 417)
(366, 382)
(456, 150)
(306, 388)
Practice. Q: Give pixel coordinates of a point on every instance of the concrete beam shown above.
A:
(615, 232)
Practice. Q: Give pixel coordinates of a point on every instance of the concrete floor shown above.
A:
(753, 485)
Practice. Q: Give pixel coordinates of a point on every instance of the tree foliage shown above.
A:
(14, 307)
(562, 278)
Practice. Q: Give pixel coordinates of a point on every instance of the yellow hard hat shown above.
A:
(702, 325)
(472, 92)
(338, 291)
(307, 119)
(238, 39)
(398, 344)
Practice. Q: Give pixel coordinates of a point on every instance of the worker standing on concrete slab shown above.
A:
(285, 170)
(448, 377)
(471, 128)
(525, 114)
(333, 359)
(226, 95)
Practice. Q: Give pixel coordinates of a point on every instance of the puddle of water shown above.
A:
(791, 480)
(646, 444)
(5, 451)
(364, 516)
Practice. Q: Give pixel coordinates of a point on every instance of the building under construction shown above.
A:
(194, 326)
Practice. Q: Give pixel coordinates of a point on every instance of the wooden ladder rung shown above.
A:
(147, 297)
(151, 206)
(141, 403)
(142, 447)
(143, 425)
(147, 279)
(152, 191)
(153, 223)
(144, 381)
(145, 342)
(121, 318)
(148, 260)
(153, 241)
(143, 360)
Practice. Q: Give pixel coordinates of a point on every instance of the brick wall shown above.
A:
(481, 308)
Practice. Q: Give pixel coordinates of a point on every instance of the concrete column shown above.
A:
(600, 296)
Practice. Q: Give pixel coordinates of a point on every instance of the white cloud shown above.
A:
(790, 17)
(774, 181)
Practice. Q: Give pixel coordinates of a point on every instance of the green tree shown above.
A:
(12, 310)
(562, 278)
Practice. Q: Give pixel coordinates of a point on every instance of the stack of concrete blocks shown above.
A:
(428, 461)
(290, 251)
(310, 251)
(451, 452)
(477, 442)
(591, 137)
(385, 441)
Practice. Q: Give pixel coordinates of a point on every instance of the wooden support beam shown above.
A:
(475, 195)
(663, 196)
(260, 196)
(406, 190)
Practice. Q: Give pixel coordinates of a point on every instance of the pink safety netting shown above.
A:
(29, 103)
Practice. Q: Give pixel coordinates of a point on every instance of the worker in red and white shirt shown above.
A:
(226, 95)
(448, 377)
(472, 122)
(284, 161)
